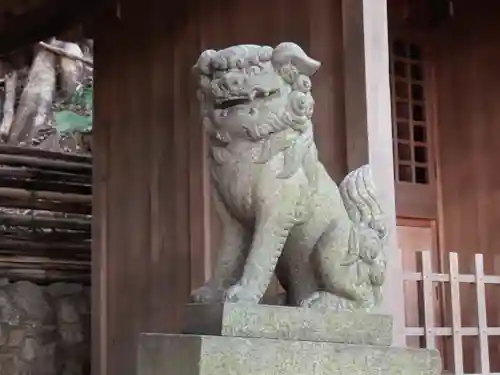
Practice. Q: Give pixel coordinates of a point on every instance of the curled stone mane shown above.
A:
(289, 128)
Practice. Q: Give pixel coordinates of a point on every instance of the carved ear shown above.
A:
(291, 53)
(202, 66)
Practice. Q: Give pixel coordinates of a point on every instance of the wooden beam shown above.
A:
(63, 53)
(368, 124)
(44, 21)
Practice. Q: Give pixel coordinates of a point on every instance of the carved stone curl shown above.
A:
(281, 212)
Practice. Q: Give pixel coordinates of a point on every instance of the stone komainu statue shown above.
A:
(281, 212)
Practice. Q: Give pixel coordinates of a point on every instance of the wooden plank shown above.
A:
(456, 314)
(466, 85)
(428, 294)
(45, 154)
(484, 356)
(22, 160)
(105, 105)
(199, 179)
(448, 331)
(21, 201)
(43, 221)
(29, 195)
(408, 206)
(16, 243)
(443, 277)
(44, 276)
(328, 89)
(368, 124)
(493, 303)
(32, 184)
(44, 175)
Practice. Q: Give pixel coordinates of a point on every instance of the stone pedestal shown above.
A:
(237, 339)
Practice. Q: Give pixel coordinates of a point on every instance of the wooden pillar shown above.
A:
(368, 124)
(143, 268)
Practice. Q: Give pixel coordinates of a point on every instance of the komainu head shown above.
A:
(250, 92)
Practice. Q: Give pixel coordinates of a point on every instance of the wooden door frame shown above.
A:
(434, 220)
(432, 224)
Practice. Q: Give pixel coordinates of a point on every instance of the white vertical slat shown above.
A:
(456, 316)
(428, 296)
(496, 323)
(400, 310)
(481, 315)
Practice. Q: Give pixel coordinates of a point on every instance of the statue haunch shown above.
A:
(281, 212)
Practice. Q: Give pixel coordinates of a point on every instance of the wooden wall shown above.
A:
(467, 80)
(153, 221)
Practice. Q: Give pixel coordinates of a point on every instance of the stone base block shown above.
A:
(161, 354)
(287, 323)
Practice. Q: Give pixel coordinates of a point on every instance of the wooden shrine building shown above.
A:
(410, 86)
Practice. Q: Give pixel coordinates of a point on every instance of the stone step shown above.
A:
(287, 323)
(162, 354)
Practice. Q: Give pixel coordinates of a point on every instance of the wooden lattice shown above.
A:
(482, 353)
(410, 120)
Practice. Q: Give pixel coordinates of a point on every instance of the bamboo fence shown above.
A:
(45, 215)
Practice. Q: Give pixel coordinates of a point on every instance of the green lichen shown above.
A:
(75, 114)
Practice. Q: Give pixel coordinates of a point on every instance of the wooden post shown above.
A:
(428, 293)
(141, 245)
(368, 124)
(483, 365)
(456, 314)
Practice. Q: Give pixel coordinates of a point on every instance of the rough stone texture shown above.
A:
(277, 203)
(161, 354)
(289, 323)
(44, 330)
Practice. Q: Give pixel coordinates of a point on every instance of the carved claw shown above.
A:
(311, 300)
(208, 293)
(239, 293)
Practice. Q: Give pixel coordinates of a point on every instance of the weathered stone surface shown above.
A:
(257, 106)
(289, 323)
(71, 303)
(161, 354)
(44, 330)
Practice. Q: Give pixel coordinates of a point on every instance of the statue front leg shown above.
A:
(272, 228)
(230, 258)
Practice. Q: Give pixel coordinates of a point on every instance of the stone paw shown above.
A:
(206, 294)
(240, 293)
(311, 300)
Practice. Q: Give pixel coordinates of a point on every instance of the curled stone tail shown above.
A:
(369, 231)
(361, 202)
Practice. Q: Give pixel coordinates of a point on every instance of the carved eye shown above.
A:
(255, 69)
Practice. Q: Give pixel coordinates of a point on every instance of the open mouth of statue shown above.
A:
(241, 100)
